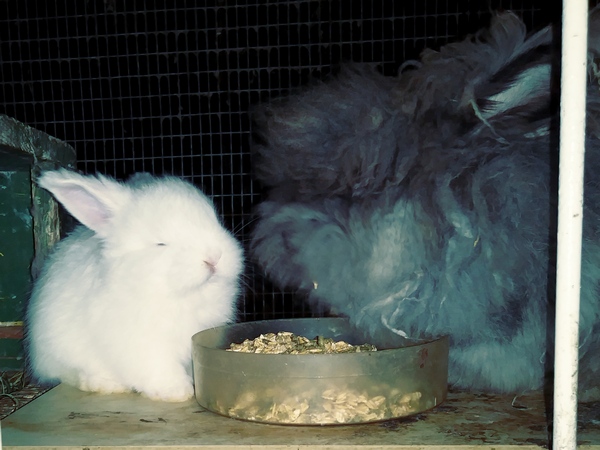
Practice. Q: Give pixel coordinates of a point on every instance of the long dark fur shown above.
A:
(426, 203)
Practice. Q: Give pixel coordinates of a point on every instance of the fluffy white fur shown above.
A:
(426, 203)
(120, 297)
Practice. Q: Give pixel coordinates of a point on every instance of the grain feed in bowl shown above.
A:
(285, 342)
(275, 373)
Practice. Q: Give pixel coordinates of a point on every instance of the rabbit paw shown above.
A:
(101, 385)
(175, 392)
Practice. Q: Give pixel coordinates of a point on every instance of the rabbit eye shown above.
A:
(161, 244)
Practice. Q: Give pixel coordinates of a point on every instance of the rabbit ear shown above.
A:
(524, 80)
(93, 201)
(527, 89)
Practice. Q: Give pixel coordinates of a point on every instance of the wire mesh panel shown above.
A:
(166, 86)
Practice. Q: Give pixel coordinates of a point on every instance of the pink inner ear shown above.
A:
(86, 207)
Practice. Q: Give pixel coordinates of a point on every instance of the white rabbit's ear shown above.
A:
(93, 201)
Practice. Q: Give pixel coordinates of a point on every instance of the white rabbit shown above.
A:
(119, 299)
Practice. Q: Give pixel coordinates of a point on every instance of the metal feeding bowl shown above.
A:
(403, 377)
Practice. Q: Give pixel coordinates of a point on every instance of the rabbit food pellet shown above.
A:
(332, 406)
(285, 342)
(336, 405)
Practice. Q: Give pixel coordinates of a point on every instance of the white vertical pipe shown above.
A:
(570, 215)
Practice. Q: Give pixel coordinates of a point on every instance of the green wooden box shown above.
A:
(29, 224)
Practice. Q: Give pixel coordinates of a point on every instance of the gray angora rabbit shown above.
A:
(426, 203)
(119, 299)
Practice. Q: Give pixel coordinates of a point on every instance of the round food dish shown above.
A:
(403, 377)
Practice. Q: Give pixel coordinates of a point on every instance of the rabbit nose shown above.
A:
(212, 267)
(212, 262)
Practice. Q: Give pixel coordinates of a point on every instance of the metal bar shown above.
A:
(570, 215)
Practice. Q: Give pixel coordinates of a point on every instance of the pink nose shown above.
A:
(212, 266)
(212, 262)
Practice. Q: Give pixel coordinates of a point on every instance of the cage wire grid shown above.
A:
(166, 87)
